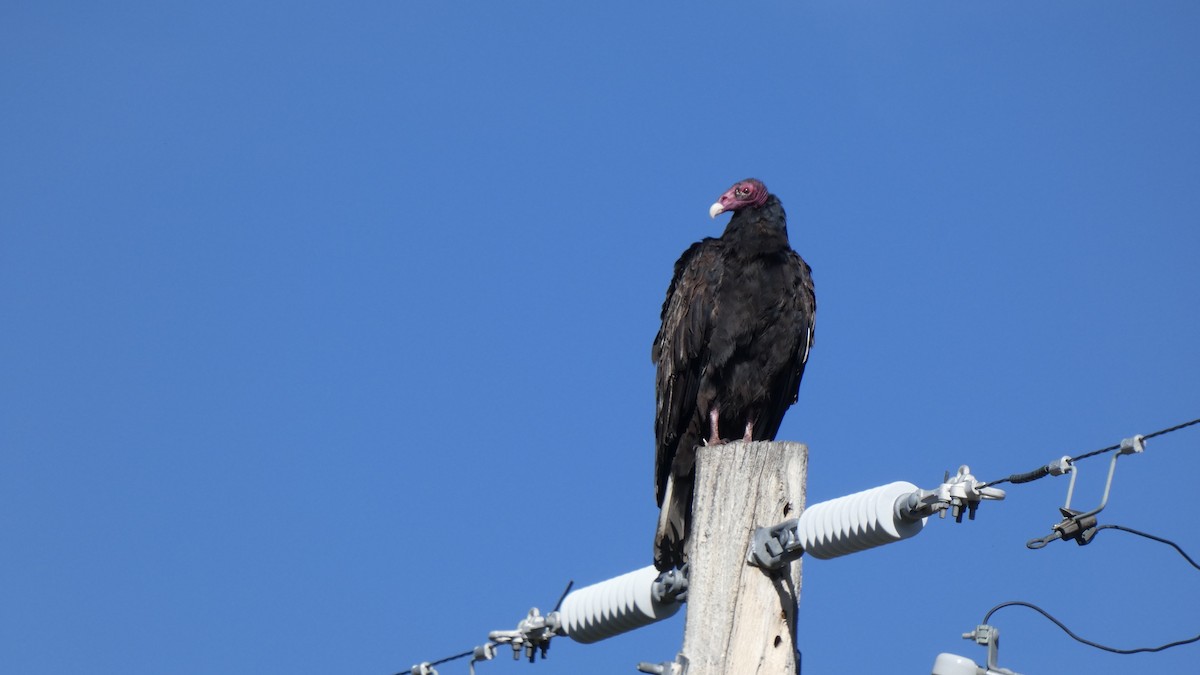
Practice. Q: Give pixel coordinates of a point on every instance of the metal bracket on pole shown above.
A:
(671, 586)
(773, 547)
(1080, 526)
(666, 668)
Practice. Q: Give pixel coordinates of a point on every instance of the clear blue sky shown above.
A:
(326, 328)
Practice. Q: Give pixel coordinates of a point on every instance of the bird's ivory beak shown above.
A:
(715, 209)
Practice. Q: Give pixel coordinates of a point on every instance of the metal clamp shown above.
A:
(773, 547)
(956, 495)
(671, 586)
(532, 634)
(1080, 526)
(989, 636)
(482, 653)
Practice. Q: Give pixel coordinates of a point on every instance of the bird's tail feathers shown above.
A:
(674, 520)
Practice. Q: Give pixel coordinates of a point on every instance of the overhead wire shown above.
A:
(1168, 430)
(558, 605)
(439, 662)
(1045, 470)
(1068, 631)
(1161, 540)
(472, 652)
(1017, 478)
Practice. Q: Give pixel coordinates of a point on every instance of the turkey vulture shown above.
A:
(737, 325)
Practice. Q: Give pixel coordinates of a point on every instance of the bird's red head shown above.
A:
(749, 192)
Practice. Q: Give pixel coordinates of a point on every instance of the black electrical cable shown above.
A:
(1066, 630)
(1056, 622)
(1145, 437)
(558, 605)
(1043, 471)
(456, 657)
(1161, 540)
(465, 654)
(1101, 451)
(1027, 477)
(1177, 427)
(441, 661)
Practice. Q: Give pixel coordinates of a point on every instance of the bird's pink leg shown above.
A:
(713, 419)
(749, 431)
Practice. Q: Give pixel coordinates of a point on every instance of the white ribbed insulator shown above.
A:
(613, 607)
(856, 522)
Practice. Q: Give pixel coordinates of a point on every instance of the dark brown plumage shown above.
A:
(737, 325)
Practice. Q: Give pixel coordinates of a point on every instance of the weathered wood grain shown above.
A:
(741, 619)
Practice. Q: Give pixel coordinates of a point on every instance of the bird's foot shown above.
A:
(714, 424)
(749, 435)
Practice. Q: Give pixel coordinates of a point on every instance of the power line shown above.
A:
(1068, 631)
(487, 651)
(1161, 540)
(558, 605)
(1057, 468)
(1168, 430)
(439, 662)
(1145, 437)
(1097, 645)
(456, 657)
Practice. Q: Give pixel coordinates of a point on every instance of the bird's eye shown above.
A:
(742, 191)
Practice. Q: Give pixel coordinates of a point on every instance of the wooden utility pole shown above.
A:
(742, 619)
